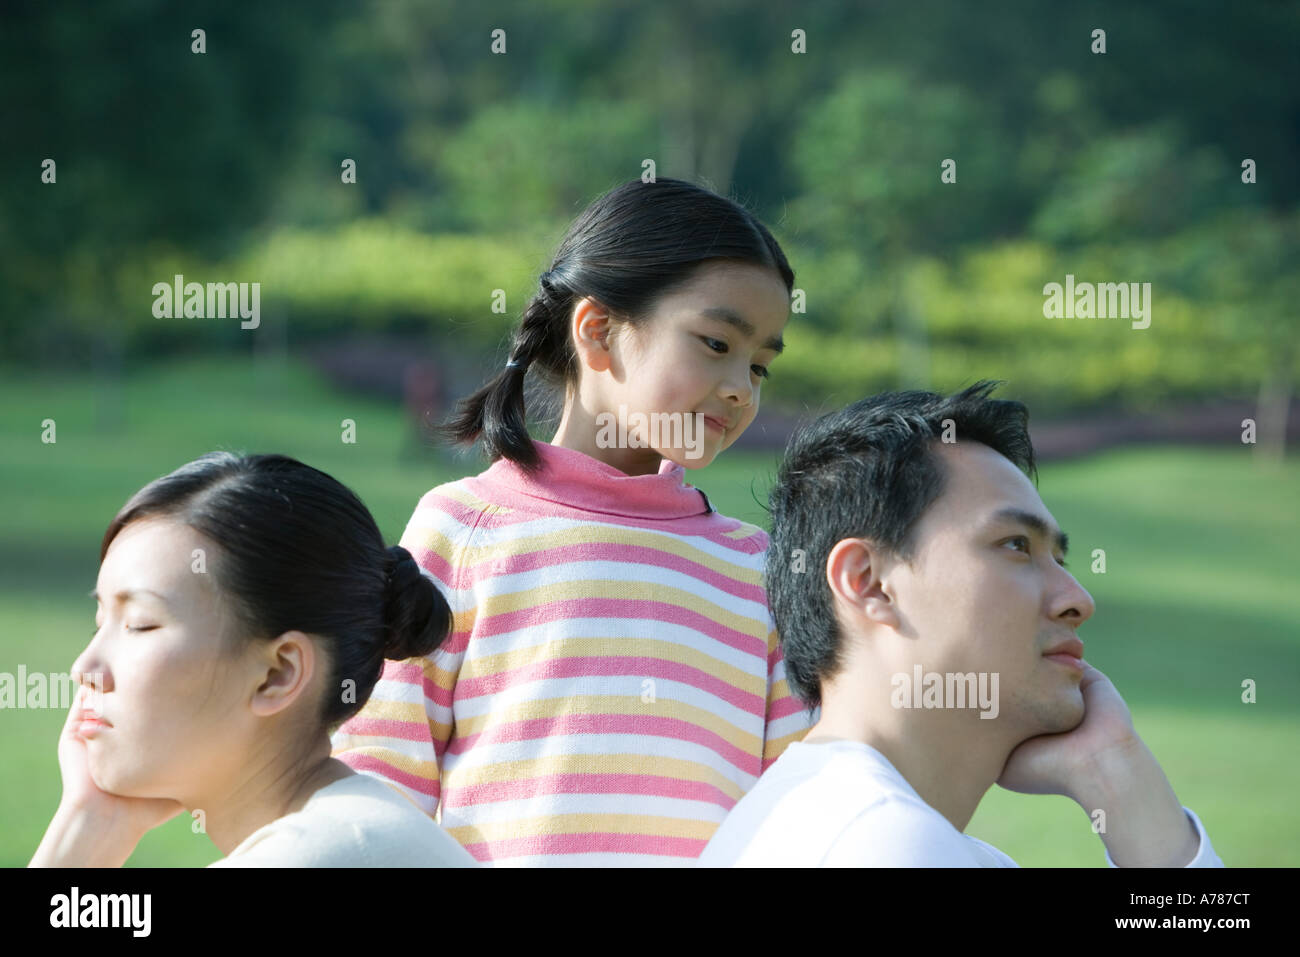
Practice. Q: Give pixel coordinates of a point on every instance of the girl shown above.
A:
(245, 608)
(612, 684)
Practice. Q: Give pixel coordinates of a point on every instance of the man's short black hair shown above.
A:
(869, 471)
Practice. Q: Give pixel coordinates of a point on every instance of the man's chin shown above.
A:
(1056, 715)
(1069, 712)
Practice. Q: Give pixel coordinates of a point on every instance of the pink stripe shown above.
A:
(406, 674)
(783, 707)
(610, 666)
(362, 725)
(545, 558)
(711, 526)
(644, 608)
(411, 672)
(600, 843)
(365, 762)
(561, 725)
(638, 784)
(434, 564)
(446, 505)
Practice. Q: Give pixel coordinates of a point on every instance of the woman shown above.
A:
(245, 609)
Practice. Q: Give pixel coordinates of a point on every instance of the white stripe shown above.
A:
(790, 724)
(624, 573)
(669, 633)
(667, 694)
(604, 745)
(552, 805)
(546, 527)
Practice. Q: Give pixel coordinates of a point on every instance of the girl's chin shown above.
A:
(689, 458)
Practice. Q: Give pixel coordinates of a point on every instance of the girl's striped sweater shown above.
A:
(613, 683)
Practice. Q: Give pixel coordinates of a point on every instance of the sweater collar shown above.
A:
(572, 478)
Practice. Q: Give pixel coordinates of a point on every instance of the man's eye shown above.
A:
(717, 345)
(141, 627)
(1021, 538)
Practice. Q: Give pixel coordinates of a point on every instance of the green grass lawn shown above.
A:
(1198, 593)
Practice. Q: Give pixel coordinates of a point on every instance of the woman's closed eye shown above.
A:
(135, 628)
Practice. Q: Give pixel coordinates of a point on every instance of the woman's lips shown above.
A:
(715, 423)
(91, 725)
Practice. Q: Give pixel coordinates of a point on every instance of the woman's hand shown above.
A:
(93, 828)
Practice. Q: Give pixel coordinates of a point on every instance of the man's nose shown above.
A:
(1074, 601)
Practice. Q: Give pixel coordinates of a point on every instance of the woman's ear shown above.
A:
(285, 671)
(591, 327)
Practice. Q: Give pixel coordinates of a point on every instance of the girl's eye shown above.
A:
(717, 345)
(1021, 538)
(761, 371)
(141, 627)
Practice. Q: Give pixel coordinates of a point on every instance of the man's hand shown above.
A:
(1104, 766)
(1059, 763)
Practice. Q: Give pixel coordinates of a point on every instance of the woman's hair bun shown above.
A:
(415, 613)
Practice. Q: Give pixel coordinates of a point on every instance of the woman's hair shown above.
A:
(627, 249)
(299, 551)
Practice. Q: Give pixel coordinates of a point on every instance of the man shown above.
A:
(919, 587)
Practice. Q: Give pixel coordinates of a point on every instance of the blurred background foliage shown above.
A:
(1122, 167)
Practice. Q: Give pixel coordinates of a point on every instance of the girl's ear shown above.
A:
(590, 330)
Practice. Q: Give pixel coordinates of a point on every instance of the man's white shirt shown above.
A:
(843, 804)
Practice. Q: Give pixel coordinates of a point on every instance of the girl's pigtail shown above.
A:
(496, 413)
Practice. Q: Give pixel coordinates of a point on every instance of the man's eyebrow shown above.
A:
(1037, 523)
(723, 314)
(129, 593)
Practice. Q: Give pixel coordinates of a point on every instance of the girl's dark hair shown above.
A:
(299, 551)
(626, 250)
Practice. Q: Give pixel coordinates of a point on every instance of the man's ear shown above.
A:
(853, 572)
(289, 662)
(590, 331)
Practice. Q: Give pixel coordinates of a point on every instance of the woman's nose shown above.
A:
(89, 669)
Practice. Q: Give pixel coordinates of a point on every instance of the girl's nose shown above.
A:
(741, 391)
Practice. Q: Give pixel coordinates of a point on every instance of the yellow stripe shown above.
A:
(428, 770)
(613, 705)
(622, 589)
(621, 647)
(594, 533)
(774, 747)
(464, 621)
(584, 824)
(676, 768)
(457, 493)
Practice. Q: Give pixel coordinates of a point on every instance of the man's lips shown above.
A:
(1068, 653)
(1071, 646)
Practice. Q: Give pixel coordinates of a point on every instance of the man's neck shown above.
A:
(950, 771)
